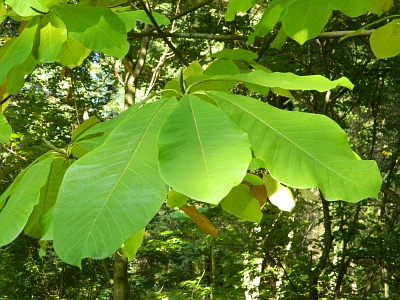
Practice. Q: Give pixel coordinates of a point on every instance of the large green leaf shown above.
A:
(19, 50)
(23, 8)
(16, 76)
(48, 196)
(203, 154)
(305, 19)
(5, 129)
(287, 81)
(97, 28)
(22, 198)
(72, 53)
(351, 8)
(113, 191)
(53, 34)
(385, 41)
(303, 150)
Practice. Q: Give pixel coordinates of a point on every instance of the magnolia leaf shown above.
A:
(72, 53)
(307, 194)
(5, 129)
(305, 19)
(22, 199)
(385, 41)
(113, 191)
(93, 120)
(257, 163)
(53, 34)
(16, 76)
(269, 19)
(23, 8)
(253, 179)
(132, 245)
(235, 6)
(351, 8)
(203, 154)
(176, 199)
(279, 195)
(380, 6)
(303, 150)
(15, 51)
(48, 196)
(201, 220)
(96, 28)
(288, 81)
(240, 203)
(280, 40)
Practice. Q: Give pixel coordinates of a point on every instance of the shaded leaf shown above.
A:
(22, 198)
(303, 150)
(114, 190)
(203, 154)
(240, 203)
(351, 8)
(235, 6)
(16, 76)
(235, 54)
(132, 245)
(176, 199)
(5, 129)
(131, 17)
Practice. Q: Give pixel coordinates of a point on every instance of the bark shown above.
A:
(121, 285)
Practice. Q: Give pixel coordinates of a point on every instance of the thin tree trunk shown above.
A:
(121, 285)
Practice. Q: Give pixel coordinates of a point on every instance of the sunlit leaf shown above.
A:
(385, 41)
(235, 54)
(176, 199)
(203, 154)
(132, 245)
(114, 190)
(72, 53)
(131, 17)
(351, 8)
(278, 194)
(201, 220)
(23, 8)
(5, 129)
(235, 6)
(53, 34)
(16, 76)
(380, 6)
(303, 150)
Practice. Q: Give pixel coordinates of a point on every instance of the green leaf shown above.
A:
(269, 19)
(131, 17)
(23, 197)
(280, 40)
(351, 8)
(241, 204)
(132, 245)
(288, 81)
(303, 150)
(89, 123)
(257, 163)
(23, 8)
(53, 34)
(72, 53)
(97, 28)
(253, 179)
(235, 6)
(16, 76)
(5, 129)
(235, 54)
(48, 196)
(203, 154)
(19, 49)
(279, 195)
(194, 69)
(305, 19)
(113, 191)
(176, 199)
(385, 41)
(380, 6)
(222, 67)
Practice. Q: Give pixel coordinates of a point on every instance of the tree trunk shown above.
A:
(121, 286)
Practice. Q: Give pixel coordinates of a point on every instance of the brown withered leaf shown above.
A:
(201, 220)
(259, 192)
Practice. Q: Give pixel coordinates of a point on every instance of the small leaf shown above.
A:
(305, 19)
(132, 245)
(351, 8)
(93, 120)
(235, 54)
(202, 152)
(385, 41)
(201, 220)
(5, 129)
(72, 53)
(235, 6)
(253, 179)
(131, 17)
(307, 194)
(240, 203)
(16, 76)
(280, 40)
(279, 195)
(176, 199)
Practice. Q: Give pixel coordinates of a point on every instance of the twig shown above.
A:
(163, 36)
